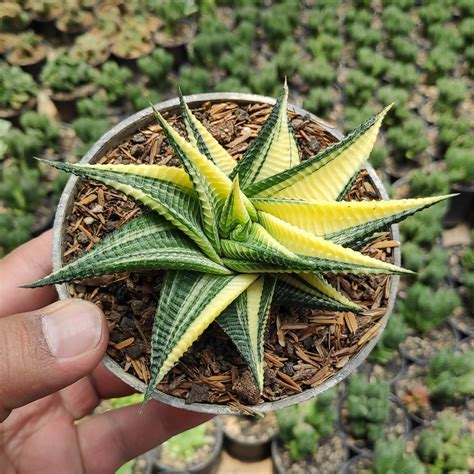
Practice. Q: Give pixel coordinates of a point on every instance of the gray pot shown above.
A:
(126, 128)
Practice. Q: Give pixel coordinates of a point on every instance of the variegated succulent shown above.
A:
(236, 236)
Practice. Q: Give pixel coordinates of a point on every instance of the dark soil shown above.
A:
(303, 347)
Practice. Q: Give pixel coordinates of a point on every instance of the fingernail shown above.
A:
(72, 327)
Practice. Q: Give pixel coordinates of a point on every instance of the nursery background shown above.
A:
(72, 69)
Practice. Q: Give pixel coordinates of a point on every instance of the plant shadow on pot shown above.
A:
(196, 451)
(130, 127)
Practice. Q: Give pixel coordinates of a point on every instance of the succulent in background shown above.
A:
(92, 47)
(65, 73)
(426, 308)
(15, 228)
(392, 337)
(451, 376)
(173, 11)
(184, 445)
(223, 230)
(460, 164)
(157, 65)
(444, 447)
(416, 399)
(390, 457)
(368, 407)
(113, 79)
(16, 87)
(301, 427)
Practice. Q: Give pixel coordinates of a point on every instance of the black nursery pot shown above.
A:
(461, 207)
(246, 449)
(208, 466)
(128, 127)
(66, 102)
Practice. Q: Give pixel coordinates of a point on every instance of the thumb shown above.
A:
(45, 350)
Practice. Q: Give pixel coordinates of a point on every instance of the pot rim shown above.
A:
(130, 125)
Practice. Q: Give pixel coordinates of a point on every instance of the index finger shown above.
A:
(29, 262)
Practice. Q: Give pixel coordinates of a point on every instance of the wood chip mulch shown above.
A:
(303, 348)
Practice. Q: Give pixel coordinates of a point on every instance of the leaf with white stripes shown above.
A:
(210, 183)
(161, 193)
(200, 137)
(244, 321)
(297, 290)
(189, 303)
(149, 242)
(325, 175)
(326, 256)
(343, 222)
(275, 148)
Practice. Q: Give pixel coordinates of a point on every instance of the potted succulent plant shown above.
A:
(45, 13)
(221, 229)
(368, 412)
(197, 450)
(179, 28)
(28, 51)
(69, 79)
(248, 438)
(308, 440)
(133, 41)
(388, 456)
(446, 381)
(74, 20)
(17, 91)
(443, 447)
(92, 47)
(13, 17)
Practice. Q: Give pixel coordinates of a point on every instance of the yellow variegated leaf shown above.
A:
(234, 212)
(343, 221)
(244, 321)
(325, 175)
(177, 176)
(273, 150)
(200, 138)
(189, 303)
(303, 243)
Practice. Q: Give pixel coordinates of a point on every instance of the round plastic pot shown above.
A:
(66, 102)
(208, 466)
(116, 136)
(277, 462)
(460, 207)
(248, 450)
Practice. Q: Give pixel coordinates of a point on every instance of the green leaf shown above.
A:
(274, 149)
(200, 137)
(148, 242)
(244, 321)
(189, 303)
(325, 175)
(210, 183)
(234, 212)
(161, 191)
(295, 290)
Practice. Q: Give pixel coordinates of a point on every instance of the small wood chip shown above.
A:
(125, 343)
(351, 322)
(369, 334)
(88, 199)
(385, 244)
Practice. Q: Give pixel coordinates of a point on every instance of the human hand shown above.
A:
(51, 376)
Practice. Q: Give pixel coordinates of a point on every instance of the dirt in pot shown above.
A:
(250, 429)
(303, 347)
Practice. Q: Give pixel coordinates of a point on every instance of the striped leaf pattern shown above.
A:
(189, 302)
(245, 321)
(273, 150)
(145, 243)
(233, 238)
